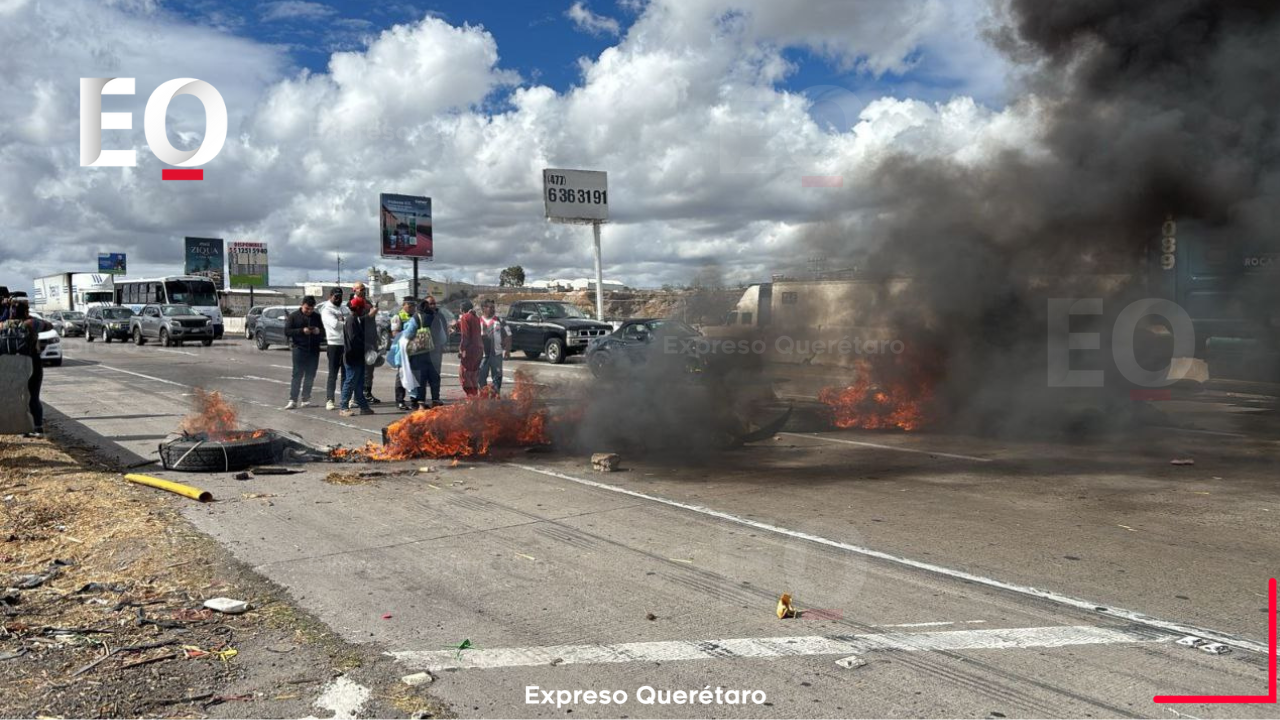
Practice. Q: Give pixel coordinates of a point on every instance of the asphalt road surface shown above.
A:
(975, 577)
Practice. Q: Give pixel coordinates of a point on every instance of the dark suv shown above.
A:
(107, 323)
(558, 329)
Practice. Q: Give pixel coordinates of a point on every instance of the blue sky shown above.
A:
(540, 42)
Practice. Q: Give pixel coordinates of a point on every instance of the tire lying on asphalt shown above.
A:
(218, 456)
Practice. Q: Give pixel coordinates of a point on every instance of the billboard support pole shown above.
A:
(595, 227)
(415, 279)
(250, 295)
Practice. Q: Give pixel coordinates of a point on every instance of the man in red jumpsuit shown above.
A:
(470, 349)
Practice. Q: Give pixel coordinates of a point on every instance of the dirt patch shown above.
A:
(102, 586)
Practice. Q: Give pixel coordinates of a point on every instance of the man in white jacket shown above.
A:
(332, 315)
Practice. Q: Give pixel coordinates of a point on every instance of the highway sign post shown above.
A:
(580, 197)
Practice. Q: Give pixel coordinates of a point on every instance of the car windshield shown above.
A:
(555, 311)
(117, 313)
(73, 316)
(671, 327)
(198, 293)
(172, 310)
(100, 297)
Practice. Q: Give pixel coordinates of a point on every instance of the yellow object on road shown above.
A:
(784, 607)
(173, 487)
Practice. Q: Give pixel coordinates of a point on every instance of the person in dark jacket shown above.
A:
(354, 360)
(305, 329)
(20, 312)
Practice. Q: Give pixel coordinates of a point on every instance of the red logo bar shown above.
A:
(182, 174)
(1240, 699)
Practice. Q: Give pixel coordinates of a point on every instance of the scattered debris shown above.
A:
(785, 610)
(387, 616)
(1182, 461)
(274, 470)
(343, 697)
(30, 582)
(605, 462)
(243, 476)
(556, 661)
(417, 679)
(227, 605)
(426, 469)
(852, 662)
(1216, 649)
(95, 587)
(1191, 641)
(354, 478)
(13, 655)
(650, 617)
(258, 496)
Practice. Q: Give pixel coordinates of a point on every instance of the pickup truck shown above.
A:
(170, 325)
(558, 329)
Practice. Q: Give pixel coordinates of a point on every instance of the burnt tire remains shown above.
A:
(190, 455)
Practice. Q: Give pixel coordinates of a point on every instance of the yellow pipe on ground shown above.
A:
(173, 487)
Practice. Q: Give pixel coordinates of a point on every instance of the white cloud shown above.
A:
(705, 154)
(295, 10)
(587, 21)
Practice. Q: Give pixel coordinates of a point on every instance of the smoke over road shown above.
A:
(1145, 109)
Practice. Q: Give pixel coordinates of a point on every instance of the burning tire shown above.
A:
(194, 455)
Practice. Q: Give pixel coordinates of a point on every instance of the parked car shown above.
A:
(67, 323)
(269, 328)
(170, 325)
(558, 329)
(50, 344)
(635, 342)
(251, 321)
(107, 323)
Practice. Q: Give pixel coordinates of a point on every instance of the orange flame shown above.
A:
(468, 429)
(897, 395)
(212, 416)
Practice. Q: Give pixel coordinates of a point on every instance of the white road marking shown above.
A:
(936, 624)
(671, 650)
(879, 446)
(177, 352)
(343, 697)
(376, 433)
(1027, 590)
(262, 379)
(145, 377)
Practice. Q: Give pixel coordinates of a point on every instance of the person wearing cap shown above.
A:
(332, 315)
(470, 349)
(354, 358)
(361, 291)
(304, 328)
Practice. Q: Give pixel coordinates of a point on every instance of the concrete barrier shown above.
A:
(15, 370)
(233, 326)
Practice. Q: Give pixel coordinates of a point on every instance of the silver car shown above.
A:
(170, 325)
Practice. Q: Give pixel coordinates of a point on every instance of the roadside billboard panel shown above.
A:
(576, 195)
(112, 263)
(247, 264)
(204, 258)
(405, 226)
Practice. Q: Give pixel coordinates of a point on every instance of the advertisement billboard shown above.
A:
(405, 226)
(204, 258)
(111, 263)
(576, 195)
(247, 264)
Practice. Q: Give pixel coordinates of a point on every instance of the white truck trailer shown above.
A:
(72, 291)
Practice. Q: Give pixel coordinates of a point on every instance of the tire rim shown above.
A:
(553, 352)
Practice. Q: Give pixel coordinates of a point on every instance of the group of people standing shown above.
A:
(353, 352)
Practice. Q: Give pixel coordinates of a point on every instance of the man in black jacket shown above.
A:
(355, 360)
(305, 330)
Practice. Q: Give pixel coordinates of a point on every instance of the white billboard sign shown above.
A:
(576, 195)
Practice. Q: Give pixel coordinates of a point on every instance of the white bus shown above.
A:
(198, 292)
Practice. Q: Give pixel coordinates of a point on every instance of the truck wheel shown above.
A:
(260, 339)
(137, 337)
(164, 338)
(532, 354)
(555, 351)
